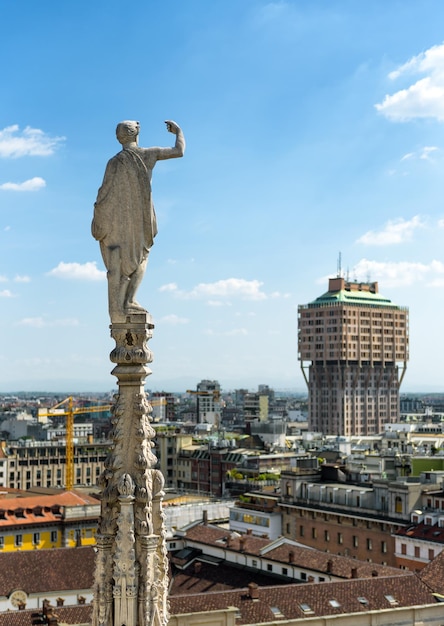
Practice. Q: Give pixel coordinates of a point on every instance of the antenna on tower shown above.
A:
(339, 266)
(348, 275)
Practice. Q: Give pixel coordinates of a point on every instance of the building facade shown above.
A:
(65, 520)
(344, 518)
(43, 464)
(353, 349)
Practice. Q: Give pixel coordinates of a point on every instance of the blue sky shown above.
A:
(312, 128)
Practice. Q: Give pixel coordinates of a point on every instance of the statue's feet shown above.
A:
(135, 307)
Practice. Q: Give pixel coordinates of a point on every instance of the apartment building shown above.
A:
(43, 464)
(344, 518)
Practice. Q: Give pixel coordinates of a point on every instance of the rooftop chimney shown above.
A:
(205, 516)
(253, 591)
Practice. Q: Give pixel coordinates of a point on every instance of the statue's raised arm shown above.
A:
(124, 220)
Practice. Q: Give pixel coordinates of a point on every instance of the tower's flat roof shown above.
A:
(353, 297)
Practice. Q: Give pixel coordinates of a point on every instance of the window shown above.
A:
(18, 541)
(417, 552)
(301, 531)
(36, 539)
(431, 554)
(398, 505)
(269, 567)
(340, 538)
(403, 548)
(53, 536)
(284, 571)
(383, 547)
(326, 535)
(369, 544)
(355, 541)
(2, 542)
(314, 533)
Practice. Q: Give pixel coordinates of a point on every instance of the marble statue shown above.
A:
(124, 220)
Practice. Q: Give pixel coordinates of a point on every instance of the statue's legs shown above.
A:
(117, 284)
(130, 304)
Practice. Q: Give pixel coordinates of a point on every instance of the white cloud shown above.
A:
(29, 142)
(78, 271)
(424, 154)
(219, 303)
(33, 184)
(22, 279)
(228, 288)
(236, 332)
(272, 11)
(279, 294)
(394, 232)
(40, 322)
(3, 279)
(6, 294)
(423, 98)
(400, 274)
(169, 287)
(174, 320)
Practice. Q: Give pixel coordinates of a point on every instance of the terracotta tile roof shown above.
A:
(282, 551)
(64, 498)
(433, 574)
(40, 508)
(214, 535)
(423, 532)
(323, 599)
(79, 614)
(39, 571)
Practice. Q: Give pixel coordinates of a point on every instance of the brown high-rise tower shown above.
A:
(353, 344)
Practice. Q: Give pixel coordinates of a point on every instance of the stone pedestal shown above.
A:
(131, 580)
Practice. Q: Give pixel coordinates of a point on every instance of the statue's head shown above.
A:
(127, 131)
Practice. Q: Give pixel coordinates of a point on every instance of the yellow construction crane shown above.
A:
(70, 412)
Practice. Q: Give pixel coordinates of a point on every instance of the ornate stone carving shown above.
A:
(131, 580)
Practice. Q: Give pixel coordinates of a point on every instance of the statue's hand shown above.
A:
(172, 127)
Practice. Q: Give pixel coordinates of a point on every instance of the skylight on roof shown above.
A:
(362, 600)
(391, 599)
(276, 611)
(335, 604)
(306, 608)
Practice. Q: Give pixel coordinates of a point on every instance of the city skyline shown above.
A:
(312, 131)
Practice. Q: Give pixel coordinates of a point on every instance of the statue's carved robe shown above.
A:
(124, 215)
